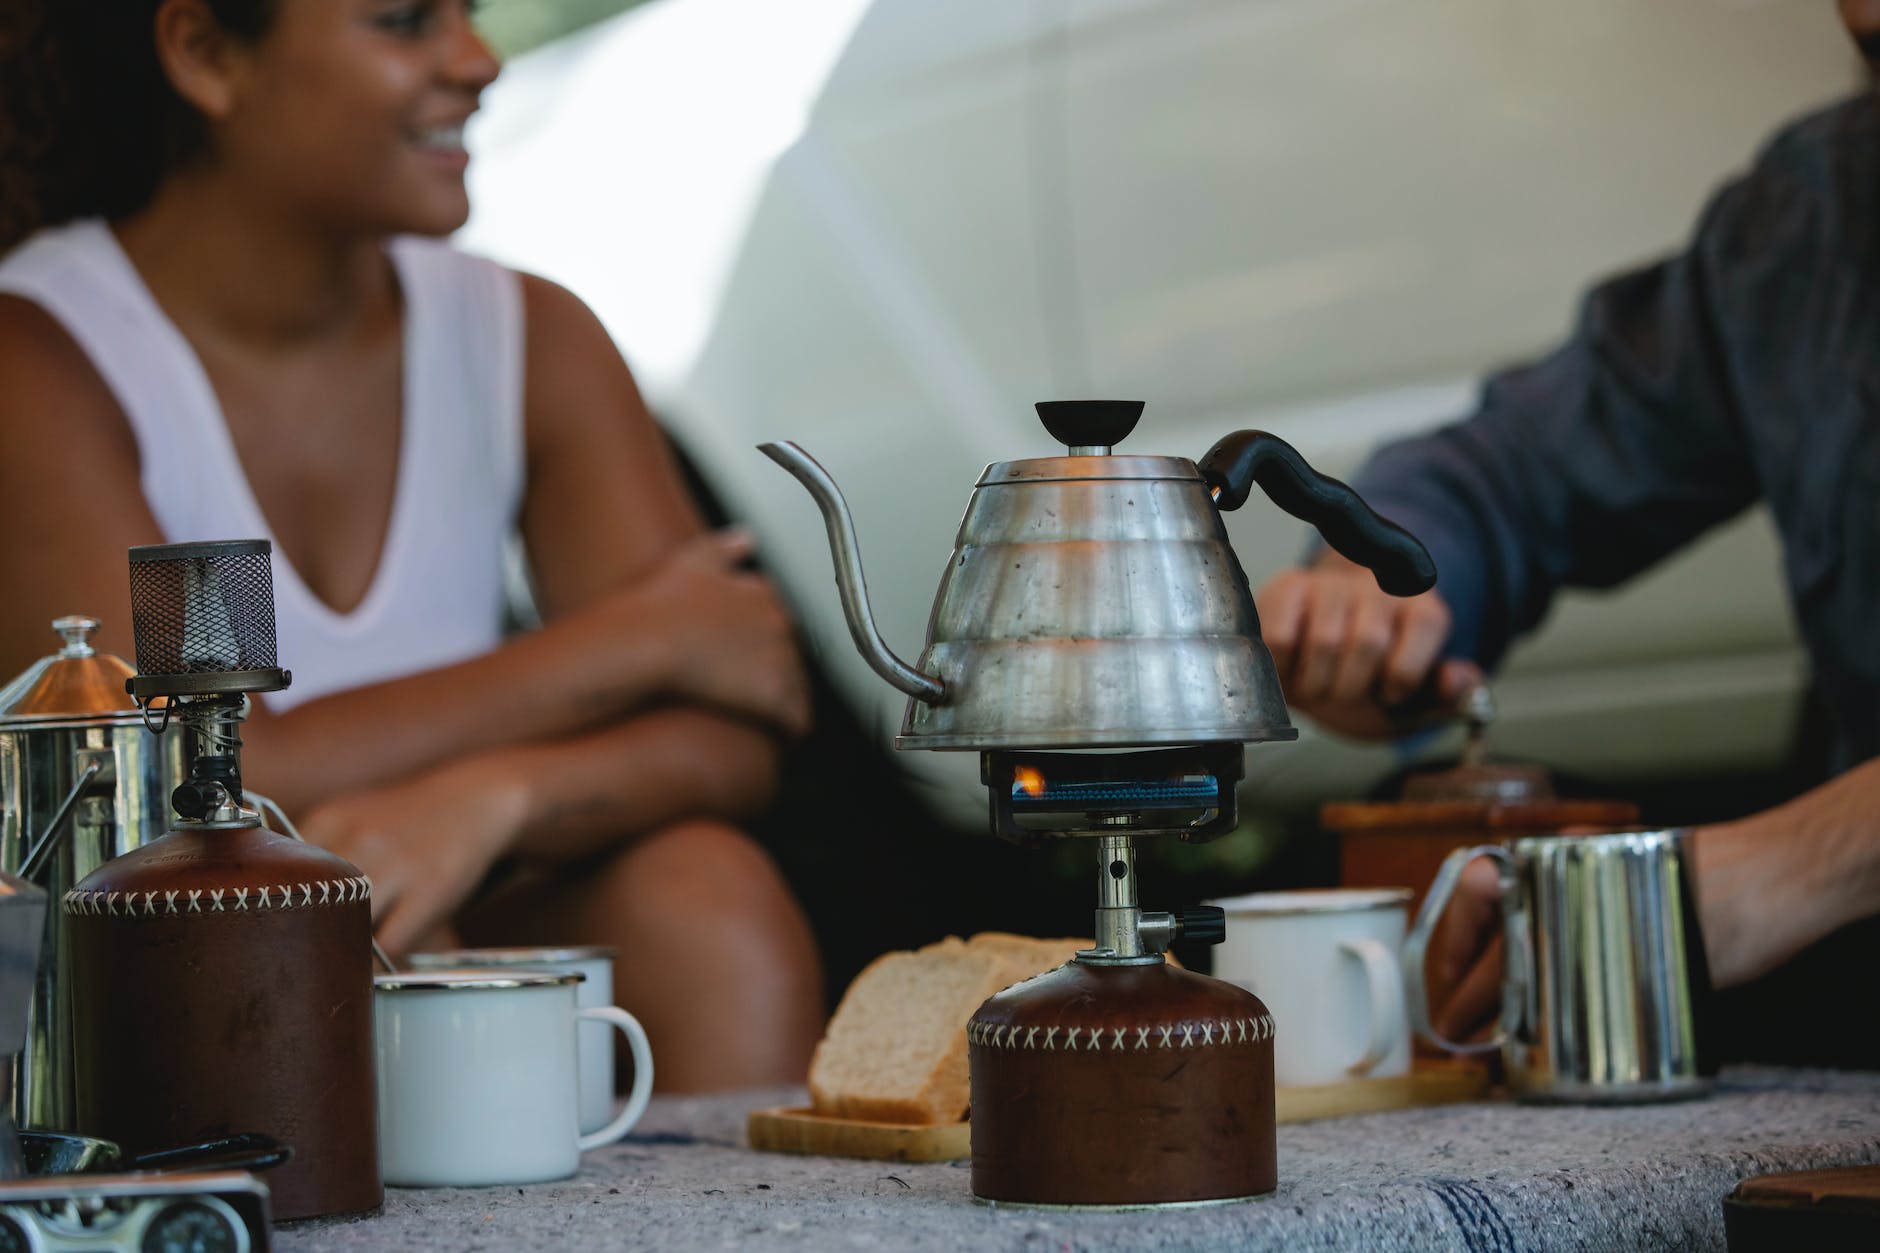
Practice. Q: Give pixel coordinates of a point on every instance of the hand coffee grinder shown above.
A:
(222, 974)
(1094, 639)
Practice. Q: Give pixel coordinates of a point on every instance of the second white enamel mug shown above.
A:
(595, 964)
(1326, 962)
(478, 1081)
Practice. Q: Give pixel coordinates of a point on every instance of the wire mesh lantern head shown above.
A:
(203, 617)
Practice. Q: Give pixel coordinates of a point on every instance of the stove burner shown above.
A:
(1186, 791)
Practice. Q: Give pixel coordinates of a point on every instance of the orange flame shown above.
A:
(1029, 780)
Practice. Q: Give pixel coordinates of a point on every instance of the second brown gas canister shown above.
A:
(223, 984)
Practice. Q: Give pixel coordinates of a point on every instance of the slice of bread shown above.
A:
(1022, 956)
(896, 1049)
(890, 1053)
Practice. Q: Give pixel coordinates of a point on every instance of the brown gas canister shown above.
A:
(223, 984)
(1124, 1084)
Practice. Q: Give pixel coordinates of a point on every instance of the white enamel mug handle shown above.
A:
(1385, 978)
(642, 1091)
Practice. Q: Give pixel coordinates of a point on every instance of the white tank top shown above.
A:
(437, 595)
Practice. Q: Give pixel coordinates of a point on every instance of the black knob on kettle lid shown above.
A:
(1089, 423)
(1204, 924)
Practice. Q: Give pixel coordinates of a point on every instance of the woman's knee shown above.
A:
(696, 862)
(702, 878)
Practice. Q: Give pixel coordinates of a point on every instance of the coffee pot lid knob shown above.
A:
(76, 682)
(1089, 428)
(76, 630)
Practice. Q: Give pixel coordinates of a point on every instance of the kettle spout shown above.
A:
(848, 558)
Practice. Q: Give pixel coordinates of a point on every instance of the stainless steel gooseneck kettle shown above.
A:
(1093, 600)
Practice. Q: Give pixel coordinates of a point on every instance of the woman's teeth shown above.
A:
(447, 138)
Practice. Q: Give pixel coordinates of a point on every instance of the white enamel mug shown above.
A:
(592, 961)
(478, 1080)
(1326, 963)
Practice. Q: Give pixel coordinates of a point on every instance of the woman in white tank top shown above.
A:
(224, 314)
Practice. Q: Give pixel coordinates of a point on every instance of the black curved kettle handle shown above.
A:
(1402, 565)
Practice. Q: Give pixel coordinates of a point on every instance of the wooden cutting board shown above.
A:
(799, 1129)
(1428, 1083)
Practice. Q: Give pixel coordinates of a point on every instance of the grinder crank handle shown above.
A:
(1429, 706)
(1402, 565)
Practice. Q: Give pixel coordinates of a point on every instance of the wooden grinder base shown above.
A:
(1392, 844)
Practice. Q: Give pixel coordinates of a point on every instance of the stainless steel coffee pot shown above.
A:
(81, 782)
(1093, 600)
(1602, 964)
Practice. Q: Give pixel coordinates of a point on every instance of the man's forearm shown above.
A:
(1770, 885)
(651, 770)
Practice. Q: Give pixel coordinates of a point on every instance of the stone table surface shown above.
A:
(1486, 1176)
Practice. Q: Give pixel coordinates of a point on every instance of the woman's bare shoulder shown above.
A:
(598, 465)
(26, 326)
(555, 319)
(573, 373)
(68, 455)
(48, 385)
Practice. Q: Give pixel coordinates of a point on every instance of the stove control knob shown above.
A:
(198, 798)
(1204, 924)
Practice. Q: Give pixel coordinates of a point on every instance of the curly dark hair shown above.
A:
(89, 123)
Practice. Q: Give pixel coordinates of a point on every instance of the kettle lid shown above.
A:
(74, 684)
(1089, 430)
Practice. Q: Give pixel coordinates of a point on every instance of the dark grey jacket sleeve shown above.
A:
(1586, 467)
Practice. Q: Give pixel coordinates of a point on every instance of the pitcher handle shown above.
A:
(40, 849)
(1416, 946)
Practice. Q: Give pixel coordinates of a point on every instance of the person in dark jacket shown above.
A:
(1744, 369)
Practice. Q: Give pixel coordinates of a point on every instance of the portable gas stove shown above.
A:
(1149, 1083)
(1094, 639)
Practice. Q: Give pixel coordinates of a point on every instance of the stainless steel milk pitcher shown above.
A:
(1602, 967)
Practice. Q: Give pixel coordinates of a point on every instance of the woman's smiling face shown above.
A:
(351, 112)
